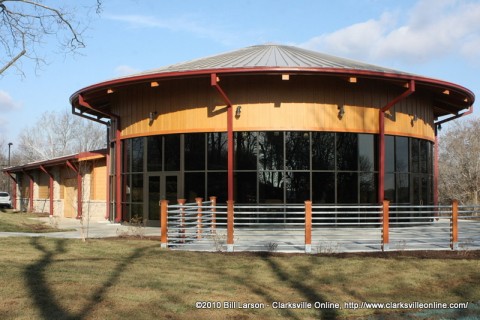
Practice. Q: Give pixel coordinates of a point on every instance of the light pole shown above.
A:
(9, 146)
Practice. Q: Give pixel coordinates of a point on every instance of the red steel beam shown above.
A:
(381, 140)
(118, 162)
(214, 83)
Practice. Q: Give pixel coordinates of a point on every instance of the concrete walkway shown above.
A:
(94, 229)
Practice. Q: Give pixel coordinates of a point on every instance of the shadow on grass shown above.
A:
(296, 282)
(43, 296)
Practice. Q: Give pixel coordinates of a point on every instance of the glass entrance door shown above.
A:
(161, 187)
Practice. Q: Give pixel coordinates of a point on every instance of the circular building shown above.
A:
(271, 124)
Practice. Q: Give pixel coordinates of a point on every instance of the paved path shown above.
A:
(96, 229)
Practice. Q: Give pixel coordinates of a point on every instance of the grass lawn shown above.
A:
(134, 279)
(15, 221)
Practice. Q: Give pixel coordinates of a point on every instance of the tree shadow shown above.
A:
(43, 296)
(294, 280)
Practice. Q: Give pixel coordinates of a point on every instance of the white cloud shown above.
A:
(432, 29)
(7, 103)
(124, 70)
(187, 23)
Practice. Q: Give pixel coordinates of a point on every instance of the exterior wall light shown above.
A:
(341, 111)
(152, 115)
(238, 111)
(414, 119)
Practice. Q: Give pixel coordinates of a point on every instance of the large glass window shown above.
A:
(270, 186)
(347, 151)
(217, 151)
(297, 145)
(279, 167)
(137, 154)
(401, 154)
(297, 186)
(154, 153)
(323, 150)
(270, 150)
(246, 150)
(194, 147)
(172, 152)
(323, 187)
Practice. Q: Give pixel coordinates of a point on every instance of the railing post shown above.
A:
(230, 227)
(385, 226)
(181, 203)
(199, 217)
(214, 214)
(163, 223)
(454, 226)
(308, 226)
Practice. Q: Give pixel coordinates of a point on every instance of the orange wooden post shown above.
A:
(214, 214)
(181, 203)
(385, 225)
(230, 227)
(199, 217)
(454, 226)
(308, 226)
(163, 223)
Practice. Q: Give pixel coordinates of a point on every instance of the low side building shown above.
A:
(69, 186)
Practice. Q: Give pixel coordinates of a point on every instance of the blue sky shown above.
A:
(433, 38)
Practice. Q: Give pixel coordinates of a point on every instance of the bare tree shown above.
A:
(459, 162)
(58, 134)
(26, 25)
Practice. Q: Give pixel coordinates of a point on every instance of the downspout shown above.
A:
(381, 142)
(14, 190)
(50, 186)
(79, 189)
(214, 83)
(118, 169)
(436, 151)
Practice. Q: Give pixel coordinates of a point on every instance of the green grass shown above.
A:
(134, 279)
(15, 221)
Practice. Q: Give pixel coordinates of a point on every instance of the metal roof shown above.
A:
(270, 56)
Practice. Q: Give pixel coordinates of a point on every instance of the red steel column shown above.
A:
(118, 173)
(381, 140)
(214, 214)
(214, 83)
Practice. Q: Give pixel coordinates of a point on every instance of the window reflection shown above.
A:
(154, 153)
(323, 187)
(217, 151)
(347, 151)
(194, 147)
(246, 150)
(297, 186)
(323, 151)
(297, 145)
(270, 150)
(270, 186)
(172, 152)
(137, 155)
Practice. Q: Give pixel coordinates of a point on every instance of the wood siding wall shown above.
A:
(268, 103)
(98, 182)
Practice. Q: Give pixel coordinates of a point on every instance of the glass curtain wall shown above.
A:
(280, 167)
